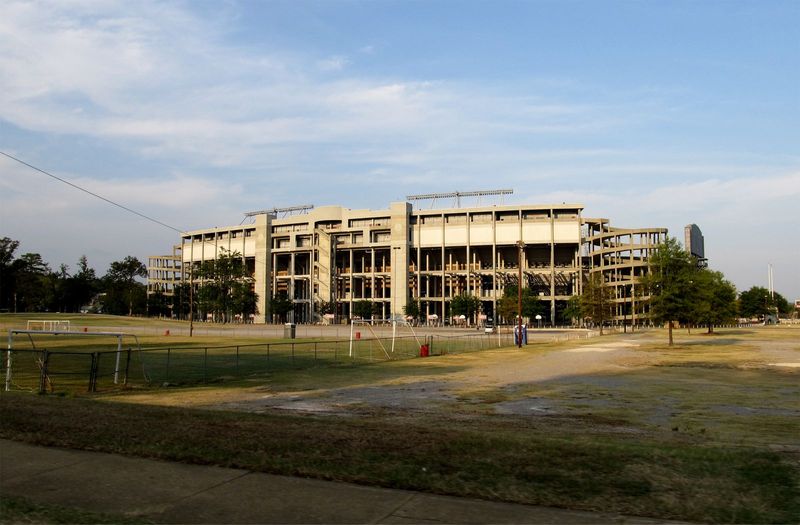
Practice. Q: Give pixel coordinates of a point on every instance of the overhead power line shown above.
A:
(118, 205)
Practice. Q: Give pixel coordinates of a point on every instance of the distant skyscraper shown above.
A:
(694, 242)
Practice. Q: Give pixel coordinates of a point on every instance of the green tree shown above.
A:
(670, 284)
(157, 304)
(84, 284)
(464, 304)
(572, 310)
(33, 283)
(755, 302)
(75, 291)
(326, 307)
(281, 305)
(716, 301)
(226, 287)
(412, 309)
(363, 309)
(758, 302)
(244, 299)
(180, 300)
(597, 301)
(508, 305)
(121, 278)
(783, 306)
(7, 273)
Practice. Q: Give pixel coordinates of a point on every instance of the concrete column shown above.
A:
(494, 268)
(444, 275)
(352, 289)
(372, 274)
(552, 268)
(469, 257)
(263, 267)
(291, 285)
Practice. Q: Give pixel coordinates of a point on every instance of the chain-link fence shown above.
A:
(42, 370)
(67, 371)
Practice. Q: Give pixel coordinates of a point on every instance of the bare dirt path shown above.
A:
(508, 381)
(471, 373)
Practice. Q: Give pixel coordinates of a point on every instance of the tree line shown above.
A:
(223, 288)
(677, 289)
(28, 284)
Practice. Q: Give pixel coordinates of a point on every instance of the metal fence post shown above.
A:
(43, 372)
(127, 366)
(292, 353)
(315, 351)
(93, 372)
(166, 379)
(237, 360)
(205, 363)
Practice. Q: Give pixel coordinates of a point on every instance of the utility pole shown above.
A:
(520, 246)
(191, 303)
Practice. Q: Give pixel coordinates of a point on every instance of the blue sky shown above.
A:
(648, 113)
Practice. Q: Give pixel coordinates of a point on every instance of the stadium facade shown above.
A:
(392, 256)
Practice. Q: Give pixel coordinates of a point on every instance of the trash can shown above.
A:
(289, 330)
(423, 351)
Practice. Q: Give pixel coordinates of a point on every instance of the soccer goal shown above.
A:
(41, 361)
(49, 325)
(355, 334)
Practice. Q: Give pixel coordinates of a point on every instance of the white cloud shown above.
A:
(169, 199)
(740, 219)
(334, 63)
(156, 79)
(163, 84)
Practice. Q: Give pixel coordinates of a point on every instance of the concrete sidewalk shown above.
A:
(167, 492)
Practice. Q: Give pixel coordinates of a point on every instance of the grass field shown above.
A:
(72, 359)
(707, 430)
(91, 321)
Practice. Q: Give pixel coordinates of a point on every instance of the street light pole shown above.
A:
(191, 300)
(520, 246)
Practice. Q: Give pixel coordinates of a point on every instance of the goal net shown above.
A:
(387, 343)
(49, 325)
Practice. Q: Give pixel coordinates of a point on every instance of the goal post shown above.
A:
(369, 325)
(45, 325)
(29, 333)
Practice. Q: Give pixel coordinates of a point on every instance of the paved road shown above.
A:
(176, 493)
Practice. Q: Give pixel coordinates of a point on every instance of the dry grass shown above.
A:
(706, 430)
(547, 462)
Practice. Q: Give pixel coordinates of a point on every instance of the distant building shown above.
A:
(392, 256)
(164, 272)
(695, 244)
(621, 256)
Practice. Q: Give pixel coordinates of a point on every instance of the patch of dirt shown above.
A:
(497, 369)
(509, 383)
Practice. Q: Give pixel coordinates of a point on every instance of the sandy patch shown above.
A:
(592, 349)
(789, 365)
(606, 347)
